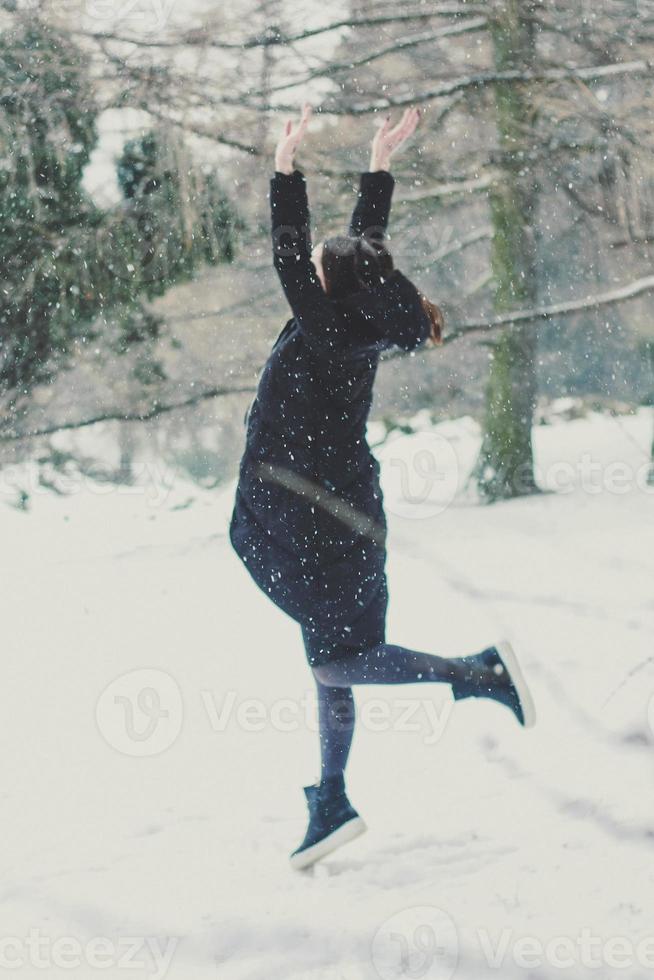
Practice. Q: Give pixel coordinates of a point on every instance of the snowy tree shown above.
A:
(505, 466)
(69, 263)
(548, 124)
(535, 152)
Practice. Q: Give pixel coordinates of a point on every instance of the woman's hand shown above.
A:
(290, 140)
(388, 139)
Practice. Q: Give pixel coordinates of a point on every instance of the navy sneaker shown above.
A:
(495, 673)
(333, 821)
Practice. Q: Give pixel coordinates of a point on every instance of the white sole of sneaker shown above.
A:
(507, 653)
(349, 831)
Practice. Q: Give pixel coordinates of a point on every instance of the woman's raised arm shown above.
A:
(291, 241)
(289, 141)
(373, 207)
(372, 210)
(290, 219)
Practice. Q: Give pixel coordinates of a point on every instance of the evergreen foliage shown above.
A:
(66, 262)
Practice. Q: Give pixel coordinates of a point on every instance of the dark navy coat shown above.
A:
(308, 519)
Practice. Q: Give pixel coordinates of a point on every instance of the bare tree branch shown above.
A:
(273, 37)
(114, 415)
(399, 45)
(481, 80)
(205, 132)
(462, 83)
(454, 188)
(452, 248)
(619, 295)
(611, 298)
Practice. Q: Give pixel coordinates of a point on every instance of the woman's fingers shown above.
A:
(382, 131)
(389, 137)
(303, 123)
(403, 129)
(290, 138)
(287, 130)
(407, 123)
(293, 132)
(403, 121)
(406, 127)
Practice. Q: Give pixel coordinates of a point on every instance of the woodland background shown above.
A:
(136, 151)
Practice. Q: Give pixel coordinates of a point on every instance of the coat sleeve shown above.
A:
(373, 206)
(399, 319)
(316, 315)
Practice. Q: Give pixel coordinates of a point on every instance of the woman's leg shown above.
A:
(386, 663)
(494, 673)
(336, 716)
(332, 818)
(381, 664)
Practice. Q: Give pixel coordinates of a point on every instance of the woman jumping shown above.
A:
(308, 519)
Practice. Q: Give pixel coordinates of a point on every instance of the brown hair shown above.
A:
(353, 262)
(436, 319)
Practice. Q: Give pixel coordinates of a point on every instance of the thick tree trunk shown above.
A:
(649, 353)
(505, 466)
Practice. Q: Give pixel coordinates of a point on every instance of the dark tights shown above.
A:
(383, 663)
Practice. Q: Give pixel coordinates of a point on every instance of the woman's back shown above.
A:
(308, 515)
(311, 412)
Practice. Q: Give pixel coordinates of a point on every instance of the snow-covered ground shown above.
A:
(158, 725)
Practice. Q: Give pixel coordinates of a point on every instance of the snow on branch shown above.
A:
(453, 86)
(115, 415)
(276, 38)
(482, 79)
(611, 298)
(454, 188)
(207, 132)
(397, 46)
